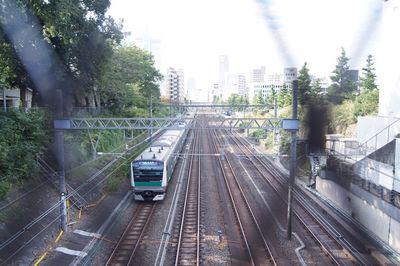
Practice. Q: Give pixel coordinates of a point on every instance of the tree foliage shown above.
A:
(284, 96)
(342, 116)
(259, 99)
(236, 99)
(24, 135)
(366, 103)
(304, 85)
(78, 34)
(130, 79)
(343, 87)
(368, 78)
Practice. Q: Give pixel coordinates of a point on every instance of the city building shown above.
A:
(272, 82)
(12, 98)
(258, 75)
(150, 44)
(191, 91)
(223, 71)
(174, 86)
(215, 93)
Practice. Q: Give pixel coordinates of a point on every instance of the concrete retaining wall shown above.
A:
(382, 223)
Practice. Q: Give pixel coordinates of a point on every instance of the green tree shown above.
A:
(343, 87)
(24, 135)
(368, 78)
(304, 85)
(258, 98)
(77, 34)
(342, 116)
(366, 103)
(271, 97)
(129, 79)
(316, 93)
(284, 97)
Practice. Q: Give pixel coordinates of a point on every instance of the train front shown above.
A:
(147, 180)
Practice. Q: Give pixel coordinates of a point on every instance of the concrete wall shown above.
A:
(383, 221)
(376, 172)
(387, 60)
(396, 183)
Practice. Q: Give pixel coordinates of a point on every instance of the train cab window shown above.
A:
(148, 171)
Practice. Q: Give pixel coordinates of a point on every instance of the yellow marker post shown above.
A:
(45, 254)
(40, 259)
(59, 236)
(68, 205)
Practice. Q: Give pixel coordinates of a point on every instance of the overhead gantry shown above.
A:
(177, 123)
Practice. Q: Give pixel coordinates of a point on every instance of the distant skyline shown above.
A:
(253, 33)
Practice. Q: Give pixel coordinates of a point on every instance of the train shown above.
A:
(152, 170)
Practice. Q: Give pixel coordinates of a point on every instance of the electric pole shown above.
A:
(292, 161)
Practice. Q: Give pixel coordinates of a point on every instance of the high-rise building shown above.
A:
(223, 71)
(191, 89)
(240, 84)
(258, 75)
(174, 85)
(150, 44)
(216, 95)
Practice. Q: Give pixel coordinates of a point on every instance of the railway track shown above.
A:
(127, 245)
(188, 247)
(339, 250)
(258, 249)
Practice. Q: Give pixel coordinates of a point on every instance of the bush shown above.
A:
(366, 103)
(23, 136)
(342, 116)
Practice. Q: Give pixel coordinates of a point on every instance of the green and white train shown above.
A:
(152, 169)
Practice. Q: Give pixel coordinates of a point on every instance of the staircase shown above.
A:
(315, 165)
(75, 198)
(380, 139)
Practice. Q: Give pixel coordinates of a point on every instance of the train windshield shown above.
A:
(148, 170)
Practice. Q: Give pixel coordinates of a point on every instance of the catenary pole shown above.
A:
(61, 163)
(292, 161)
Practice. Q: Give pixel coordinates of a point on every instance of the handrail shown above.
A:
(361, 162)
(376, 134)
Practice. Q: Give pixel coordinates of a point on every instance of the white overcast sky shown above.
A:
(252, 33)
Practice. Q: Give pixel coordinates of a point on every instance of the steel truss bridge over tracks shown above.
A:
(177, 123)
(183, 122)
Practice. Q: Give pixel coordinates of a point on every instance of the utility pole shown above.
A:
(292, 161)
(61, 164)
(275, 116)
(4, 99)
(151, 116)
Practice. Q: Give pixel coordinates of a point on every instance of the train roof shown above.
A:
(161, 147)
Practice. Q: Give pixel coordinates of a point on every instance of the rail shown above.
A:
(255, 258)
(189, 233)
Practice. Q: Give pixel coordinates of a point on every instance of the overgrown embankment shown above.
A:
(23, 136)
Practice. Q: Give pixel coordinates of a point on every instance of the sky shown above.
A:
(252, 33)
